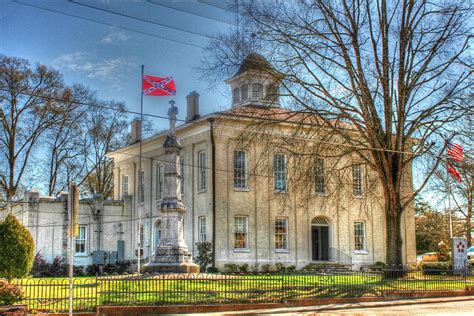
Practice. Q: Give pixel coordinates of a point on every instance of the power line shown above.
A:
(188, 12)
(108, 24)
(361, 147)
(140, 19)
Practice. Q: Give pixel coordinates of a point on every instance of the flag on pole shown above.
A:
(156, 86)
(455, 152)
(452, 171)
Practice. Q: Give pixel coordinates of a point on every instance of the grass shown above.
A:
(51, 294)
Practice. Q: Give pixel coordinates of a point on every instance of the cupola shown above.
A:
(255, 82)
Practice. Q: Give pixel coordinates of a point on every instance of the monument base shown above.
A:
(184, 267)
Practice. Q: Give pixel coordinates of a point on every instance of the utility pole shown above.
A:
(72, 211)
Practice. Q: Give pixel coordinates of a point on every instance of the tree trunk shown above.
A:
(394, 237)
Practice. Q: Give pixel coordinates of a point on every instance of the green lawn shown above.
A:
(51, 294)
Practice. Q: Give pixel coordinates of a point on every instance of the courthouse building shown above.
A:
(239, 194)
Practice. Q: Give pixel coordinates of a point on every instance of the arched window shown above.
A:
(244, 92)
(319, 221)
(157, 235)
(235, 95)
(256, 91)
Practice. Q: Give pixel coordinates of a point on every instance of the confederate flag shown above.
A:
(156, 86)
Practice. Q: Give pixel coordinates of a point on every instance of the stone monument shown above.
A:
(459, 254)
(172, 255)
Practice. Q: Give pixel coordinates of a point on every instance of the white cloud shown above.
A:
(114, 37)
(110, 69)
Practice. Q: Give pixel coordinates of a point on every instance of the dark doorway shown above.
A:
(320, 243)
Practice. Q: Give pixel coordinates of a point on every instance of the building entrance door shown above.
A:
(320, 243)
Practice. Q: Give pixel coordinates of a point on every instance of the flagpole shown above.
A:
(448, 191)
(141, 181)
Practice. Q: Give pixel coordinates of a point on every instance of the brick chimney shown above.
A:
(193, 106)
(135, 131)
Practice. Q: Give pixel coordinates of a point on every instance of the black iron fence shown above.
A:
(51, 294)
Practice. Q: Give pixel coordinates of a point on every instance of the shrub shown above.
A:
(280, 267)
(212, 270)
(58, 267)
(93, 269)
(40, 266)
(231, 268)
(378, 266)
(437, 268)
(204, 254)
(244, 268)
(9, 293)
(266, 268)
(291, 269)
(254, 267)
(123, 266)
(16, 249)
(78, 270)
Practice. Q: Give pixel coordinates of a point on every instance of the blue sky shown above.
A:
(107, 58)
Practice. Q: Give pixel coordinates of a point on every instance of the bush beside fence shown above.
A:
(51, 294)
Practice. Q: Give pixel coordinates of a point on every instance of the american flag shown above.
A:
(455, 152)
(452, 171)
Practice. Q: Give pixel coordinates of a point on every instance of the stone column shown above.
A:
(172, 254)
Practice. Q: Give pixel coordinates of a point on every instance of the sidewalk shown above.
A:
(336, 307)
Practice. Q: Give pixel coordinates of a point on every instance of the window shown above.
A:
(235, 95)
(240, 232)
(279, 167)
(357, 184)
(240, 169)
(281, 234)
(244, 92)
(125, 185)
(141, 187)
(181, 176)
(157, 233)
(271, 93)
(159, 182)
(141, 234)
(202, 171)
(359, 236)
(202, 228)
(81, 238)
(256, 91)
(320, 179)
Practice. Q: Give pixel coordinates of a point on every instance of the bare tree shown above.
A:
(107, 131)
(28, 110)
(382, 77)
(67, 141)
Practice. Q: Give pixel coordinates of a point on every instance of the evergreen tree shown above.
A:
(16, 249)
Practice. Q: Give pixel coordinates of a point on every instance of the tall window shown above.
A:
(202, 228)
(141, 187)
(240, 169)
(235, 95)
(159, 182)
(281, 234)
(141, 235)
(359, 236)
(244, 92)
(357, 183)
(202, 171)
(257, 91)
(182, 173)
(81, 238)
(279, 168)
(125, 185)
(320, 178)
(241, 232)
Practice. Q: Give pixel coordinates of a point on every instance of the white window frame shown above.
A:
(279, 174)
(357, 242)
(284, 235)
(125, 185)
(357, 180)
(81, 240)
(236, 95)
(202, 165)
(240, 172)
(241, 228)
(202, 237)
(157, 231)
(159, 181)
(141, 236)
(319, 177)
(257, 94)
(141, 187)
